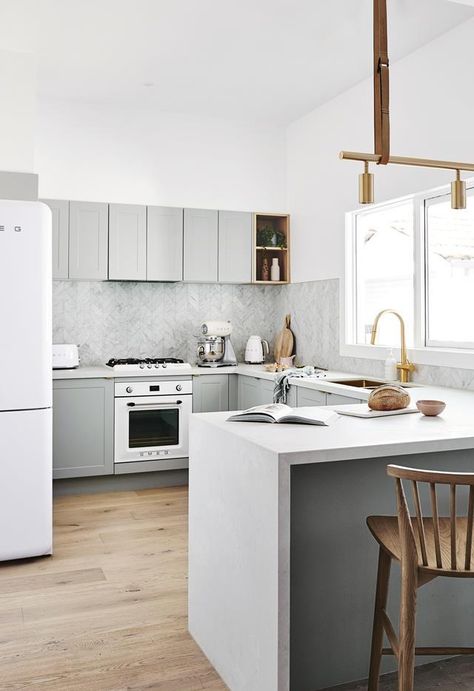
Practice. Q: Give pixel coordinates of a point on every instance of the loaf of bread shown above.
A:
(388, 397)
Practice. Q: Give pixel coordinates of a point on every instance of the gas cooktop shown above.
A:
(147, 363)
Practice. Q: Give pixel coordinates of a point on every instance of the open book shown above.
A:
(279, 412)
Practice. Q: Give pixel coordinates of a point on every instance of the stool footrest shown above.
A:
(435, 651)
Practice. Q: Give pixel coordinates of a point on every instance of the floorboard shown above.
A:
(107, 612)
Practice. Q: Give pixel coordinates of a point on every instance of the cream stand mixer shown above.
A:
(214, 345)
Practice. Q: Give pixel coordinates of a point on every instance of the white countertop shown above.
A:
(95, 372)
(350, 437)
(102, 371)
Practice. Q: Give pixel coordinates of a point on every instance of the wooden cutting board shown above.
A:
(285, 341)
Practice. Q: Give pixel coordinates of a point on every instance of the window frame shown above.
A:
(422, 353)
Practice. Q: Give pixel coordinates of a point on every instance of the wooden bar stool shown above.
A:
(426, 548)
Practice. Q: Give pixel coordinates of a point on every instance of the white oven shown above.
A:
(152, 419)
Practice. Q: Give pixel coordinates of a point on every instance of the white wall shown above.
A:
(432, 109)
(17, 111)
(112, 153)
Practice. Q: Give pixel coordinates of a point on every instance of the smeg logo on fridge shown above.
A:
(15, 229)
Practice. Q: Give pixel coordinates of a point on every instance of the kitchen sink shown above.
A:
(367, 383)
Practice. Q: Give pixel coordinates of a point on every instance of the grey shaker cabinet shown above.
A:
(235, 247)
(210, 393)
(88, 240)
(83, 427)
(337, 399)
(127, 242)
(200, 245)
(164, 243)
(309, 397)
(291, 397)
(60, 226)
(254, 391)
(267, 387)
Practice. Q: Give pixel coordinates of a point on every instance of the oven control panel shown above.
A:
(153, 388)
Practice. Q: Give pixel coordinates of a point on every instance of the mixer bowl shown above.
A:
(211, 348)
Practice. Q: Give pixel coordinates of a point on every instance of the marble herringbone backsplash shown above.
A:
(126, 319)
(120, 319)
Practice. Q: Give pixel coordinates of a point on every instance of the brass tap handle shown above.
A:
(405, 368)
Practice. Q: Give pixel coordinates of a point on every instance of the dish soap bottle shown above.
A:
(390, 370)
(275, 270)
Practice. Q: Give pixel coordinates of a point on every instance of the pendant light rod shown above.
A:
(381, 83)
(406, 161)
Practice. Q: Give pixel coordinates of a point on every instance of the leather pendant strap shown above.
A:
(381, 83)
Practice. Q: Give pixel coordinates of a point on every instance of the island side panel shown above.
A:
(233, 556)
(334, 564)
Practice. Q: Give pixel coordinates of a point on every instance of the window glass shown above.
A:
(450, 273)
(384, 267)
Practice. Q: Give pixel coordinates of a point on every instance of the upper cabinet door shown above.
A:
(88, 240)
(164, 244)
(127, 242)
(235, 247)
(60, 219)
(200, 245)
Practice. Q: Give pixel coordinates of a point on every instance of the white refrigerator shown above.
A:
(25, 380)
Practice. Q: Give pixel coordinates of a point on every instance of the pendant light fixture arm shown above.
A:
(381, 83)
(382, 155)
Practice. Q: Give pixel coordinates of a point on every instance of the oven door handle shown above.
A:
(152, 405)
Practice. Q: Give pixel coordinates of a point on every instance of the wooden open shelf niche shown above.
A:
(280, 224)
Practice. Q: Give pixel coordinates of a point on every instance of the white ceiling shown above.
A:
(268, 60)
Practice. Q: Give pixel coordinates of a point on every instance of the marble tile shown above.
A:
(314, 307)
(119, 319)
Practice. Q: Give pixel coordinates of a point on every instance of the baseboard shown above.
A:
(120, 483)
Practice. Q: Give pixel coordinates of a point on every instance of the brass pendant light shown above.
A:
(382, 155)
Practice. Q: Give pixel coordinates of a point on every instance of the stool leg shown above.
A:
(406, 659)
(383, 575)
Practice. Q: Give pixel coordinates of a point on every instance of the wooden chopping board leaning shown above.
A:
(284, 342)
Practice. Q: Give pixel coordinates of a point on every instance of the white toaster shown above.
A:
(65, 356)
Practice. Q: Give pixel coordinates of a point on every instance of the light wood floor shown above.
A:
(108, 610)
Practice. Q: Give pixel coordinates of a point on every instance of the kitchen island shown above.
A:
(281, 565)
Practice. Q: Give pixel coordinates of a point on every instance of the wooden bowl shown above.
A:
(431, 408)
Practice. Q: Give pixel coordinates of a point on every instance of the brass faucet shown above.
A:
(404, 366)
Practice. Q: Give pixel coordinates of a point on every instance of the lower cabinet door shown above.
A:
(210, 393)
(266, 391)
(254, 391)
(291, 397)
(336, 399)
(83, 425)
(309, 397)
(248, 392)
